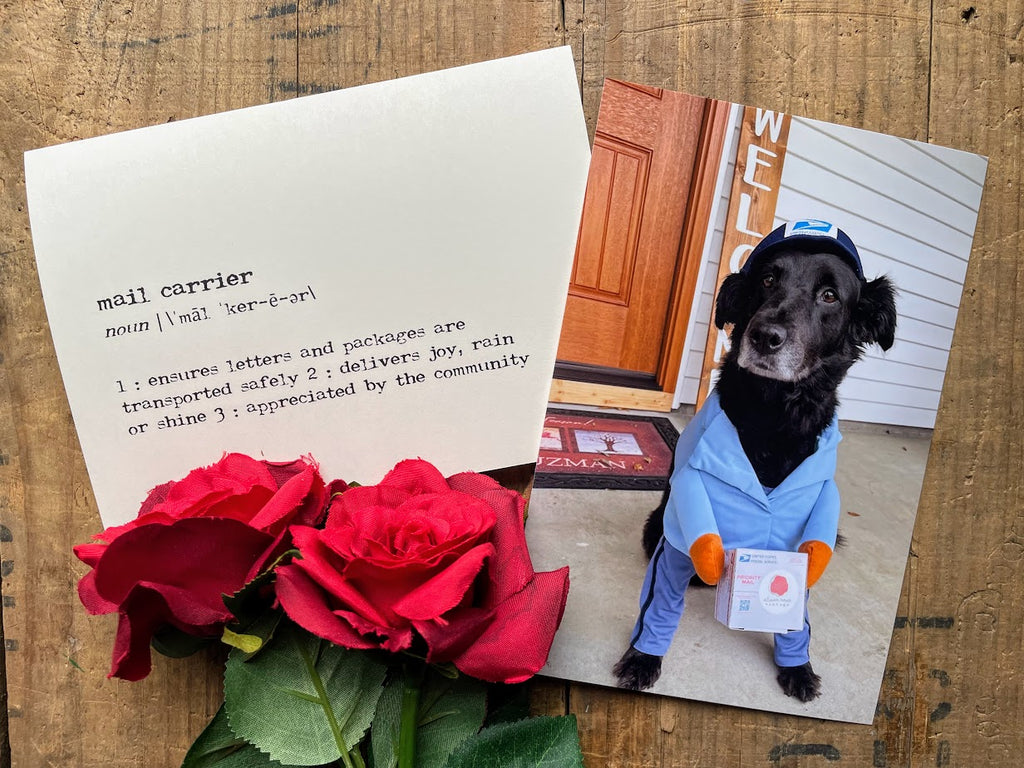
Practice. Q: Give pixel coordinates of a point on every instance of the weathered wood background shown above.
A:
(941, 71)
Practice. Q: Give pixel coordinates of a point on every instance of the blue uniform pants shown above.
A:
(662, 600)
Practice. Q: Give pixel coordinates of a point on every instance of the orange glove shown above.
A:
(818, 554)
(708, 557)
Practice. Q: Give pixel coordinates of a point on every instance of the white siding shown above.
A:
(912, 209)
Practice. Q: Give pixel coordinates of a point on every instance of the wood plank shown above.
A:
(975, 478)
(67, 72)
(345, 44)
(583, 393)
(951, 694)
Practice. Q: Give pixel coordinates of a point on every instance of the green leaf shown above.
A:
(536, 742)
(255, 635)
(218, 747)
(171, 641)
(507, 703)
(247, 644)
(302, 700)
(251, 602)
(256, 619)
(450, 711)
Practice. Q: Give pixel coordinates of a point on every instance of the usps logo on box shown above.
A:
(762, 590)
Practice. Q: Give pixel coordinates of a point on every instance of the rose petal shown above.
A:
(449, 637)
(283, 471)
(393, 639)
(422, 529)
(89, 554)
(237, 486)
(416, 476)
(94, 603)
(354, 500)
(445, 590)
(305, 604)
(336, 488)
(512, 570)
(321, 565)
(184, 610)
(144, 612)
(155, 496)
(208, 555)
(303, 489)
(516, 643)
(149, 518)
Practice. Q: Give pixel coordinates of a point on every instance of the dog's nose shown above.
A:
(767, 338)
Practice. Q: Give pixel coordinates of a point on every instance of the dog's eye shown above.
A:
(768, 281)
(829, 296)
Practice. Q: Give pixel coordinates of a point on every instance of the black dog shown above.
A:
(801, 315)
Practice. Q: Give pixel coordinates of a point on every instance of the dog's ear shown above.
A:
(732, 301)
(874, 317)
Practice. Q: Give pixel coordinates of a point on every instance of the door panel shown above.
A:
(638, 190)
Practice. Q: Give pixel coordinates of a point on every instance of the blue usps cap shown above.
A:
(821, 236)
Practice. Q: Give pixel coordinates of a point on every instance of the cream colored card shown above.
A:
(364, 275)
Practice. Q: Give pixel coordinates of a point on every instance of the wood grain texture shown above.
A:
(751, 214)
(70, 71)
(638, 191)
(948, 72)
(584, 393)
(974, 480)
(698, 217)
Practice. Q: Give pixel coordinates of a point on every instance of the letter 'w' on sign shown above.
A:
(773, 121)
(754, 193)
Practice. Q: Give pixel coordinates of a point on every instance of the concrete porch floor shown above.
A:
(852, 608)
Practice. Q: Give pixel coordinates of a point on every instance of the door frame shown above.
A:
(592, 385)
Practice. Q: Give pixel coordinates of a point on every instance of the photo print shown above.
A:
(680, 192)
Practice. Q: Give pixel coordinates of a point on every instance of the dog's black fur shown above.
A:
(799, 321)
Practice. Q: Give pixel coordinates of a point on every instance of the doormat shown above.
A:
(605, 451)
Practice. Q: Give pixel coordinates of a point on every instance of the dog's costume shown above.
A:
(718, 502)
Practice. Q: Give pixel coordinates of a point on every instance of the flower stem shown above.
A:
(325, 703)
(412, 680)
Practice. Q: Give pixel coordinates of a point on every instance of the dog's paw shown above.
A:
(800, 682)
(637, 671)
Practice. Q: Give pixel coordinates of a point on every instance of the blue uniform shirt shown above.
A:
(715, 490)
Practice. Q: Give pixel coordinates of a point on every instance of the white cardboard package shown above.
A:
(762, 590)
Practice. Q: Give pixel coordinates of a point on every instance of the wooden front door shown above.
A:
(638, 190)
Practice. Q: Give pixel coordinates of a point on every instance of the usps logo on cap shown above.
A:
(812, 227)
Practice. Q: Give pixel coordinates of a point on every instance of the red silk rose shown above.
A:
(422, 556)
(194, 540)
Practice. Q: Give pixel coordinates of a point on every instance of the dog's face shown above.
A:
(795, 312)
